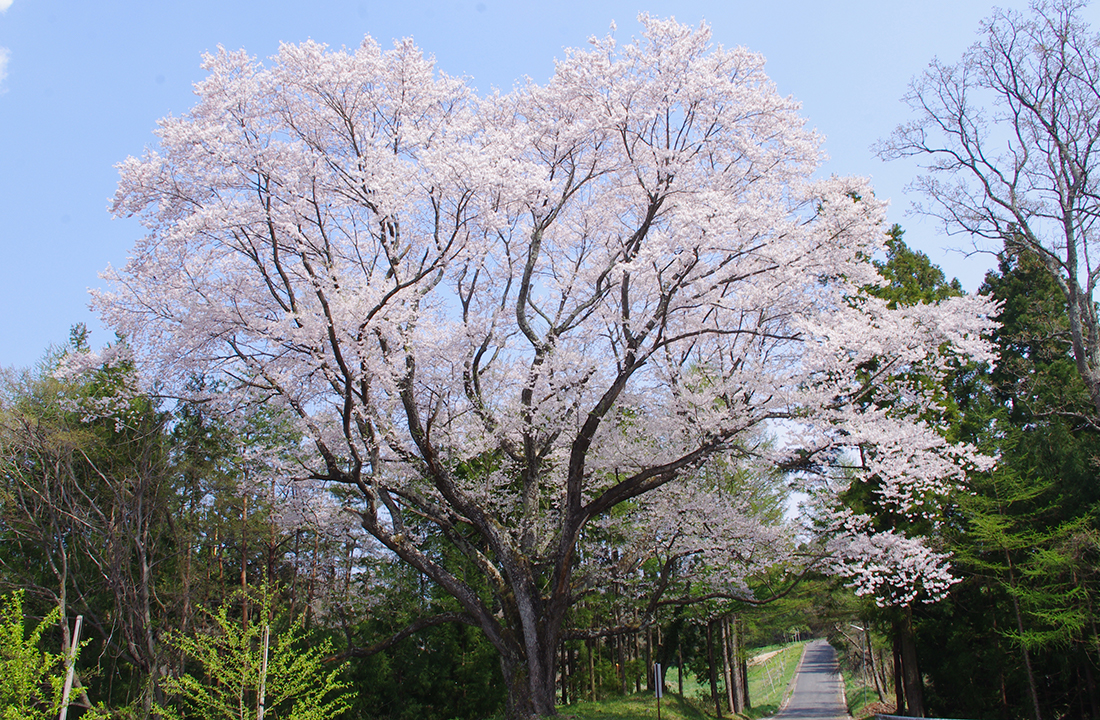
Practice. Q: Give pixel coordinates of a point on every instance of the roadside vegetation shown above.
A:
(771, 671)
(770, 680)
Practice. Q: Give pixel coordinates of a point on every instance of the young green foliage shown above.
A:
(33, 679)
(297, 686)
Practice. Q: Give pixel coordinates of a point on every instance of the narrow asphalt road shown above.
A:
(817, 687)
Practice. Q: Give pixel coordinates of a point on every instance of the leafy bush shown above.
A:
(31, 681)
(296, 685)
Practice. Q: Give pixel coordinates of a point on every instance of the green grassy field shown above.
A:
(768, 683)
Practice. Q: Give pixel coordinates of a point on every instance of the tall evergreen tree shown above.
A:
(1021, 625)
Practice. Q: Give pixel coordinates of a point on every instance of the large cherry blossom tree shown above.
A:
(500, 318)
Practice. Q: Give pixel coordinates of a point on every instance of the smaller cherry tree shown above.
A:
(693, 542)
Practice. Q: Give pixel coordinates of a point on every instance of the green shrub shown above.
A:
(296, 685)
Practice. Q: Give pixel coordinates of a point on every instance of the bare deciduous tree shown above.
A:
(1010, 134)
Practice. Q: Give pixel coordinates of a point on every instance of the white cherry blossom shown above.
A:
(506, 316)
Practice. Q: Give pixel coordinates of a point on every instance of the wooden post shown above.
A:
(659, 686)
(70, 668)
(263, 674)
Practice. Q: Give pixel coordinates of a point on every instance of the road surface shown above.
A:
(817, 687)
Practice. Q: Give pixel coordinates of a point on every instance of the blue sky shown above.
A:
(83, 82)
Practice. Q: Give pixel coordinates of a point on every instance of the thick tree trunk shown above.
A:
(529, 697)
(592, 669)
(620, 654)
(563, 672)
(883, 680)
(871, 660)
(727, 666)
(517, 703)
(1032, 691)
(899, 682)
(244, 560)
(745, 682)
(1090, 685)
(649, 681)
(914, 684)
(713, 670)
(735, 653)
(680, 668)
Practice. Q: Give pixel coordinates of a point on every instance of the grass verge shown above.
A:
(768, 684)
(862, 699)
(770, 680)
(634, 707)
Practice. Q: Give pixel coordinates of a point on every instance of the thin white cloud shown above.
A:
(4, 53)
